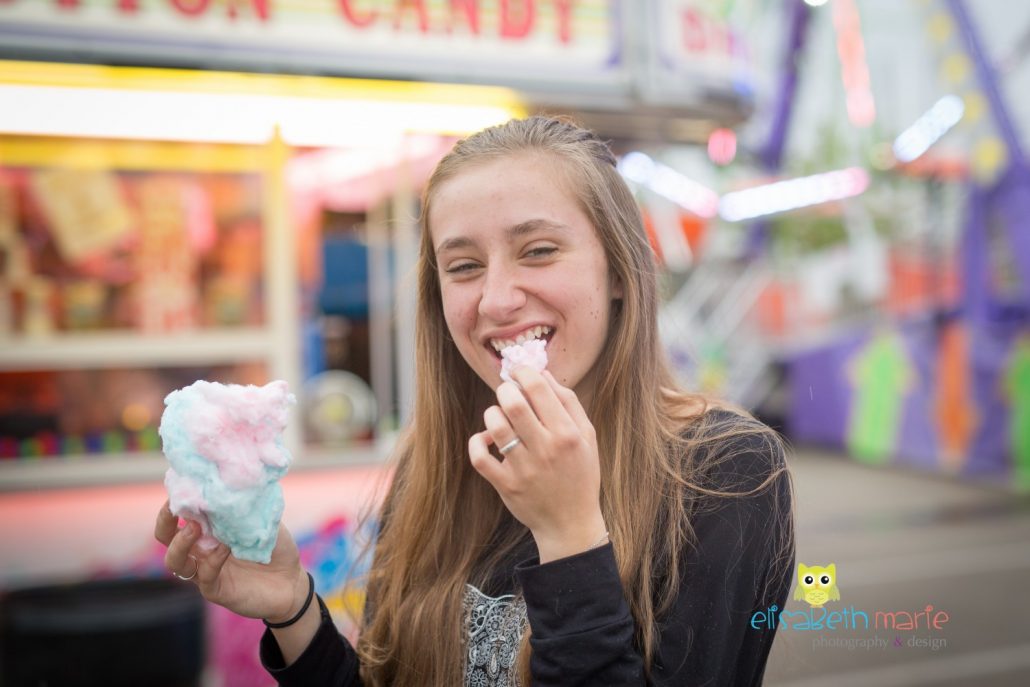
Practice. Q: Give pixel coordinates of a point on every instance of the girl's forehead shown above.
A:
(506, 191)
(509, 168)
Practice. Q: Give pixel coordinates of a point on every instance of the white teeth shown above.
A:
(528, 335)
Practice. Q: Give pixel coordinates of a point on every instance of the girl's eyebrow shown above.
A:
(514, 232)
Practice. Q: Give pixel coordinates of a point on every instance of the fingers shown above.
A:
(485, 464)
(166, 526)
(540, 396)
(533, 409)
(199, 559)
(570, 402)
(537, 407)
(500, 431)
(177, 556)
(210, 562)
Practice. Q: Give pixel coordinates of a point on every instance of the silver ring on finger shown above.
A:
(196, 567)
(509, 446)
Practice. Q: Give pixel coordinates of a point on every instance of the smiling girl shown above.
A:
(593, 524)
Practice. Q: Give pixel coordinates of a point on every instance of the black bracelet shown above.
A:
(303, 609)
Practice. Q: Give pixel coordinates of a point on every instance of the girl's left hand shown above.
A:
(551, 480)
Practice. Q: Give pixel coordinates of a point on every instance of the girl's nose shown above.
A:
(502, 294)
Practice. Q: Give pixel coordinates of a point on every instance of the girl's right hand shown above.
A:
(274, 591)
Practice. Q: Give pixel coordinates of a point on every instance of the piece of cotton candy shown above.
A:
(532, 353)
(225, 446)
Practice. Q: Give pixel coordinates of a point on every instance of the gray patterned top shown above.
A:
(494, 628)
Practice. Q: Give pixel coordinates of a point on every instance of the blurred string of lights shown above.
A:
(746, 204)
(967, 106)
(929, 128)
(691, 195)
(792, 194)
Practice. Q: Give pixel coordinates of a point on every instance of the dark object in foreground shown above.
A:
(111, 632)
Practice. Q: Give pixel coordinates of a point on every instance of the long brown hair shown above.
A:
(443, 525)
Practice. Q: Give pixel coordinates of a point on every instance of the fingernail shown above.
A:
(191, 529)
(207, 544)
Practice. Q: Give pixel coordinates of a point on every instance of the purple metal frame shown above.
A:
(772, 154)
(1009, 196)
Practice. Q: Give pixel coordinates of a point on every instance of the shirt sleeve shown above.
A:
(741, 564)
(583, 631)
(328, 660)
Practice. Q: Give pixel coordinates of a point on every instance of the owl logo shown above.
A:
(817, 584)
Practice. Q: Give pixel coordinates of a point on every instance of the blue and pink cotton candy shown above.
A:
(225, 446)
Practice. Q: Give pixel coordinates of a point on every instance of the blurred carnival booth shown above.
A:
(195, 235)
(161, 226)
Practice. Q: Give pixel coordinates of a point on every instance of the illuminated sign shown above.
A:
(495, 41)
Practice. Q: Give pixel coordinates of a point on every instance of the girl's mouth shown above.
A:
(545, 333)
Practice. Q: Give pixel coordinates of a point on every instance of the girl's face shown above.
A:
(517, 258)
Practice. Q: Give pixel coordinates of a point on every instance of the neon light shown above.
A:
(928, 129)
(793, 194)
(666, 181)
(854, 70)
(229, 117)
(722, 146)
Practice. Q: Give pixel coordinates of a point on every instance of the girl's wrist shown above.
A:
(301, 588)
(563, 545)
(301, 628)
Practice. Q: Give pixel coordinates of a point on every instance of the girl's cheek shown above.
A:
(467, 311)
(459, 318)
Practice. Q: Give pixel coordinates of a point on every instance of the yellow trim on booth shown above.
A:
(196, 81)
(94, 154)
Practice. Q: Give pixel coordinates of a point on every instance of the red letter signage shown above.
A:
(358, 20)
(518, 22)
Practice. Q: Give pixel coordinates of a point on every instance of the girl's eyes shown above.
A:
(540, 252)
(463, 267)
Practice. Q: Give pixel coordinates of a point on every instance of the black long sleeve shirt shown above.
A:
(582, 629)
